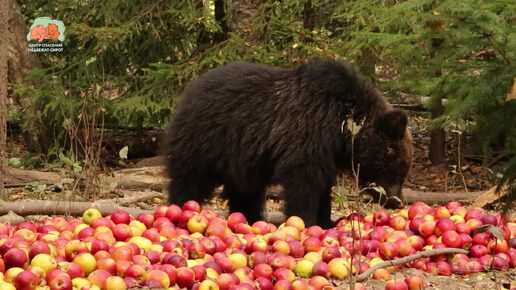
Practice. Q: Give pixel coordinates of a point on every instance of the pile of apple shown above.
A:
(187, 247)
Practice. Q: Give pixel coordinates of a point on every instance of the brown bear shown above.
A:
(246, 126)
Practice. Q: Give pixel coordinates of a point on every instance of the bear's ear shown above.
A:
(392, 124)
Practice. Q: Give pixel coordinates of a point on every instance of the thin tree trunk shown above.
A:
(244, 14)
(4, 33)
(437, 137)
(221, 18)
(309, 16)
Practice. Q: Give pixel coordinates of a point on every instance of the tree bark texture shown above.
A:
(437, 137)
(4, 50)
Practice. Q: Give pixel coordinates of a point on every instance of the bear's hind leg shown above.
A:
(183, 189)
(250, 203)
(324, 212)
(307, 194)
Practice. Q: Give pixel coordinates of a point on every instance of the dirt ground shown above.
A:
(446, 178)
(480, 281)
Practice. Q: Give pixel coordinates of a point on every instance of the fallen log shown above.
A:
(440, 197)
(432, 198)
(490, 196)
(53, 207)
(22, 176)
(135, 198)
(143, 178)
(11, 218)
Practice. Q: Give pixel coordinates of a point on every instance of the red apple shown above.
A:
(59, 280)
(161, 277)
(382, 274)
(498, 246)
(185, 277)
(388, 250)
(263, 270)
(500, 263)
(443, 268)
(120, 217)
(481, 239)
(15, 257)
(296, 249)
(26, 280)
(404, 248)
(416, 242)
(427, 228)
(441, 212)
(146, 219)
(478, 251)
(442, 225)
(475, 213)
(192, 205)
(396, 284)
(98, 277)
(226, 281)
(296, 222)
(321, 269)
(490, 219)
(312, 244)
(318, 282)
(463, 228)
(99, 245)
(160, 211)
(174, 212)
(234, 219)
(381, 218)
(451, 239)
(73, 270)
(398, 223)
(38, 247)
(262, 283)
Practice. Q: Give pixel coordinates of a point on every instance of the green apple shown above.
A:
(90, 215)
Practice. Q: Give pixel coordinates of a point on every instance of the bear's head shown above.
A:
(384, 154)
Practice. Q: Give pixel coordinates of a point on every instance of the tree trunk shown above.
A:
(4, 50)
(20, 60)
(244, 14)
(221, 19)
(437, 137)
(367, 64)
(309, 16)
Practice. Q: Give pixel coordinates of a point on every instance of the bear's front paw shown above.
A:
(394, 202)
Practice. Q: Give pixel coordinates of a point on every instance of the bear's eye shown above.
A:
(390, 151)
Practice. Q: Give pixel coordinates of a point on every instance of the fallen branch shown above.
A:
(490, 196)
(409, 258)
(135, 197)
(53, 207)
(429, 197)
(11, 218)
(440, 197)
(143, 178)
(18, 176)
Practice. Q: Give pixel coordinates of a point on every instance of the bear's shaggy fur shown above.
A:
(246, 126)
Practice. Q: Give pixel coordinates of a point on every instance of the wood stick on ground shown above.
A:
(133, 197)
(410, 258)
(15, 175)
(11, 218)
(52, 207)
